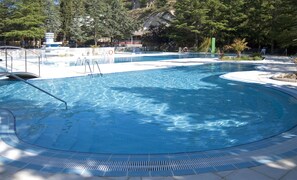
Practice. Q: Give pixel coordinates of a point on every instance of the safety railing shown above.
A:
(87, 64)
(8, 50)
(96, 62)
(39, 56)
(21, 79)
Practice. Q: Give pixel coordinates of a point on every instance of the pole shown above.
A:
(39, 66)
(6, 59)
(11, 63)
(25, 60)
(213, 45)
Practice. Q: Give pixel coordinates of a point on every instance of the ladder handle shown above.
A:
(99, 68)
(21, 79)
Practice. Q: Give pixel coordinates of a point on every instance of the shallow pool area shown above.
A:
(174, 110)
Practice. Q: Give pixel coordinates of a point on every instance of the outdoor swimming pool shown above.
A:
(181, 109)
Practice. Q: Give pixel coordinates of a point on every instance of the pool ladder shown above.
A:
(87, 64)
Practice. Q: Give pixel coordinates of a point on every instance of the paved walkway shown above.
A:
(274, 158)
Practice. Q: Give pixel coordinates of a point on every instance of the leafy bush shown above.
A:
(238, 46)
(258, 58)
(204, 47)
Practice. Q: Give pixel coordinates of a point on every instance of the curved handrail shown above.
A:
(10, 47)
(96, 62)
(21, 79)
(13, 116)
(3, 49)
(6, 48)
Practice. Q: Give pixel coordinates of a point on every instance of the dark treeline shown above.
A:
(83, 21)
(263, 23)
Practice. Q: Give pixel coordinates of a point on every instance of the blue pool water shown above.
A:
(171, 110)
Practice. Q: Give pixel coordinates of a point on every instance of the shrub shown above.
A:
(238, 46)
(258, 58)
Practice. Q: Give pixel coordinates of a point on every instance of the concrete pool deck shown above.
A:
(273, 158)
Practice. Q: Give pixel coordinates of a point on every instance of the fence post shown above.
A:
(6, 59)
(39, 66)
(25, 60)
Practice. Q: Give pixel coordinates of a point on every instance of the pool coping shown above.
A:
(16, 153)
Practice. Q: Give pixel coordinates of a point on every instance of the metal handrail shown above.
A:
(87, 62)
(39, 59)
(6, 57)
(98, 68)
(13, 116)
(21, 79)
(5, 48)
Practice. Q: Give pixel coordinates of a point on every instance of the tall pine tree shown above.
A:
(26, 22)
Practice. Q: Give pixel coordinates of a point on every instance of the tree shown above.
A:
(6, 8)
(201, 18)
(26, 21)
(235, 17)
(108, 18)
(120, 22)
(51, 12)
(157, 37)
(258, 23)
(96, 19)
(285, 31)
(160, 3)
(67, 14)
(191, 17)
(77, 32)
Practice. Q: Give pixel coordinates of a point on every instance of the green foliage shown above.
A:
(269, 23)
(205, 45)
(52, 18)
(285, 32)
(257, 54)
(160, 3)
(190, 16)
(238, 46)
(82, 20)
(25, 20)
(158, 38)
(201, 18)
